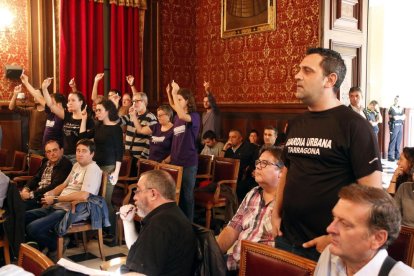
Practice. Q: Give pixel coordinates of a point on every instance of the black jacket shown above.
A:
(59, 174)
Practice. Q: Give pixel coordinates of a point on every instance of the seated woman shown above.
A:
(405, 201)
(402, 172)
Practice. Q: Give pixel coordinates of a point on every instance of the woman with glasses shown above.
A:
(107, 135)
(161, 134)
(183, 149)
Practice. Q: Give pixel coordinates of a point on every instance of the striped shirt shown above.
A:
(136, 143)
(253, 222)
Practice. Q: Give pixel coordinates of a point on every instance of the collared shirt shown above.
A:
(253, 222)
(359, 110)
(47, 175)
(331, 265)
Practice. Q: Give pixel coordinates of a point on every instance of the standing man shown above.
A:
(355, 97)
(136, 143)
(396, 124)
(365, 222)
(327, 148)
(210, 117)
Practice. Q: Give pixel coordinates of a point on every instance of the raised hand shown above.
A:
(84, 113)
(72, 83)
(130, 80)
(46, 82)
(206, 85)
(17, 89)
(127, 212)
(99, 76)
(175, 87)
(24, 78)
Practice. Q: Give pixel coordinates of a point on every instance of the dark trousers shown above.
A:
(395, 142)
(309, 253)
(41, 224)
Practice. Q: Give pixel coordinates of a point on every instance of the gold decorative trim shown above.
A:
(141, 4)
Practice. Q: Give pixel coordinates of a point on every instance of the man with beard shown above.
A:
(166, 243)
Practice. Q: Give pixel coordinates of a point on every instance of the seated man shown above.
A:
(269, 136)
(211, 145)
(246, 152)
(252, 220)
(166, 243)
(52, 172)
(83, 180)
(365, 221)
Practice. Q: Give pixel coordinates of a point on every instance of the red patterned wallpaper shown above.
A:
(247, 69)
(13, 44)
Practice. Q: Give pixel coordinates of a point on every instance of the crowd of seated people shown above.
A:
(285, 192)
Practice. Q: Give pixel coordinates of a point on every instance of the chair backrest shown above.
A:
(145, 165)
(260, 259)
(32, 260)
(177, 174)
(3, 157)
(34, 163)
(125, 169)
(19, 161)
(226, 169)
(205, 166)
(104, 182)
(402, 249)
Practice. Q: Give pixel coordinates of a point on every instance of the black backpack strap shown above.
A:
(387, 265)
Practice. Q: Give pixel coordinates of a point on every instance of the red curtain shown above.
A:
(125, 58)
(81, 44)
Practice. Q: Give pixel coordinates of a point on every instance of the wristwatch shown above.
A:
(55, 200)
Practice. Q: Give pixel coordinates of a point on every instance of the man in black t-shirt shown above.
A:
(166, 243)
(327, 148)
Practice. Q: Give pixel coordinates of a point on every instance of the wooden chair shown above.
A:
(3, 157)
(177, 174)
(6, 250)
(18, 165)
(205, 167)
(263, 260)
(32, 260)
(402, 249)
(35, 162)
(146, 165)
(225, 173)
(84, 226)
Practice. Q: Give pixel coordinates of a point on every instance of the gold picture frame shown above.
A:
(241, 17)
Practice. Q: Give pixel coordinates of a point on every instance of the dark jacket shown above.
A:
(59, 174)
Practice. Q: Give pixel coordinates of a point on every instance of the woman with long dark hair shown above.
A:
(403, 171)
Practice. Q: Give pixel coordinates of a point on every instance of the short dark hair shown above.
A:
(269, 127)
(111, 108)
(355, 89)
(209, 134)
(384, 213)
(374, 102)
(59, 98)
(80, 98)
(276, 152)
(168, 110)
(188, 95)
(332, 62)
(162, 181)
(53, 141)
(87, 143)
(254, 131)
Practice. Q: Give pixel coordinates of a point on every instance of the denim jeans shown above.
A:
(309, 253)
(41, 224)
(187, 192)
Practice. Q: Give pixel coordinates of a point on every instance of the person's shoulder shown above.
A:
(401, 268)
(64, 161)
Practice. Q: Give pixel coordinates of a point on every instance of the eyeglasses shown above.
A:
(264, 163)
(137, 191)
(136, 101)
(160, 115)
(52, 150)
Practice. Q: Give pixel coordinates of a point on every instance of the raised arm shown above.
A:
(170, 99)
(131, 81)
(127, 213)
(181, 113)
(84, 115)
(58, 110)
(146, 130)
(96, 81)
(34, 92)
(72, 85)
(17, 90)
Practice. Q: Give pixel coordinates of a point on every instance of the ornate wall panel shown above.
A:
(249, 69)
(14, 44)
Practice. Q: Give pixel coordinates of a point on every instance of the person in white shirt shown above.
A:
(365, 222)
(211, 145)
(355, 97)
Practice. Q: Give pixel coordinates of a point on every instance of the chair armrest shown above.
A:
(22, 178)
(4, 169)
(127, 179)
(112, 262)
(232, 183)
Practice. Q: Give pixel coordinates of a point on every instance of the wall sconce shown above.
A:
(6, 19)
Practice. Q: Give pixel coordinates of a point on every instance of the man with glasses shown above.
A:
(137, 144)
(253, 218)
(165, 243)
(53, 171)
